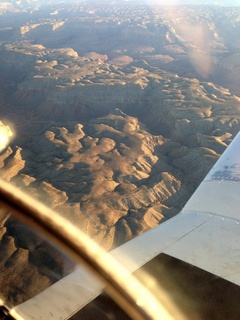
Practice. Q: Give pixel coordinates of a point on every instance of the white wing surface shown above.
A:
(206, 234)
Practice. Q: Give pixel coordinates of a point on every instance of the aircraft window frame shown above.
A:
(135, 299)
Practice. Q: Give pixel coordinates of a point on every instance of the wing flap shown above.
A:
(62, 299)
(212, 246)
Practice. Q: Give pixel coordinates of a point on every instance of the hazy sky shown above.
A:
(151, 2)
(161, 2)
(193, 2)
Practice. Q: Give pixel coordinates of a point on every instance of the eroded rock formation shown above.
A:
(114, 135)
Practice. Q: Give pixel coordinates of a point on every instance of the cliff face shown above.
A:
(59, 85)
(114, 120)
(150, 138)
(110, 176)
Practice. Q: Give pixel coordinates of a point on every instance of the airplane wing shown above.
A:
(206, 233)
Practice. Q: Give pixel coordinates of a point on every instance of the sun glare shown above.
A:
(5, 134)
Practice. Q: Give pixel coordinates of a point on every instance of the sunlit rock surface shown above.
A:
(110, 119)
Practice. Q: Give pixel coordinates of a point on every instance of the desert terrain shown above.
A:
(114, 113)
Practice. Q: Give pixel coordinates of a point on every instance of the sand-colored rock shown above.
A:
(115, 135)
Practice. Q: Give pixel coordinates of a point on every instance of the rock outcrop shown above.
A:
(115, 135)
